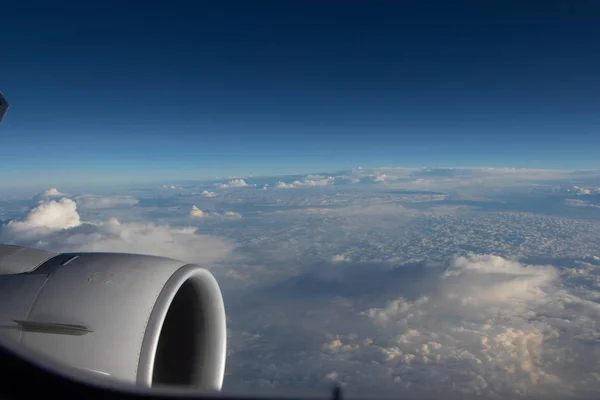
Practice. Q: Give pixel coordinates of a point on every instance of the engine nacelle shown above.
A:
(150, 321)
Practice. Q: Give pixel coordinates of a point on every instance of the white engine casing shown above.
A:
(146, 320)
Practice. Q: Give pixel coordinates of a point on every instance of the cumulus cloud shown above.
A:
(207, 193)
(234, 183)
(197, 213)
(98, 201)
(338, 258)
(49, 194)
(232, 215)
(46, 217)
(309, 181)
(316, 182)
(283, 185)
(56, 226)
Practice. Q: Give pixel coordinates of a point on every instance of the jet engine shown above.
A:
(150, 321)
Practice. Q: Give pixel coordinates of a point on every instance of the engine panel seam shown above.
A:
(33, 304)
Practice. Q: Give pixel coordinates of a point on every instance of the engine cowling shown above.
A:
(146, 320)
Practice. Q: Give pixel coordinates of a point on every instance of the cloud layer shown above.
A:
(481, 325)
(428, 282)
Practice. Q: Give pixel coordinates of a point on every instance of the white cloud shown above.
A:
(207, 193)
(197, 213)
(496, 280)
(306, 182)
(316, 182)
(582, 190)
(98, 201)
(49, 194)
(332, 376)
(232, 215)
(580, 203)
(147, 238)
(283, 185)
(234, 183)
(56, 226)
(53, 192)
(46, 217)
(339, 258)
(576, 189)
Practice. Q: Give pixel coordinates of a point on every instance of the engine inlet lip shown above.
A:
(215, 334)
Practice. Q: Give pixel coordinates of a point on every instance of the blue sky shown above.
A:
(143, 91)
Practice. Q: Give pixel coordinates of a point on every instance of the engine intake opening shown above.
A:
(178, 359)
(185, 343)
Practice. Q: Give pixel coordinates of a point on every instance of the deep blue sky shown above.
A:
(124, 90)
